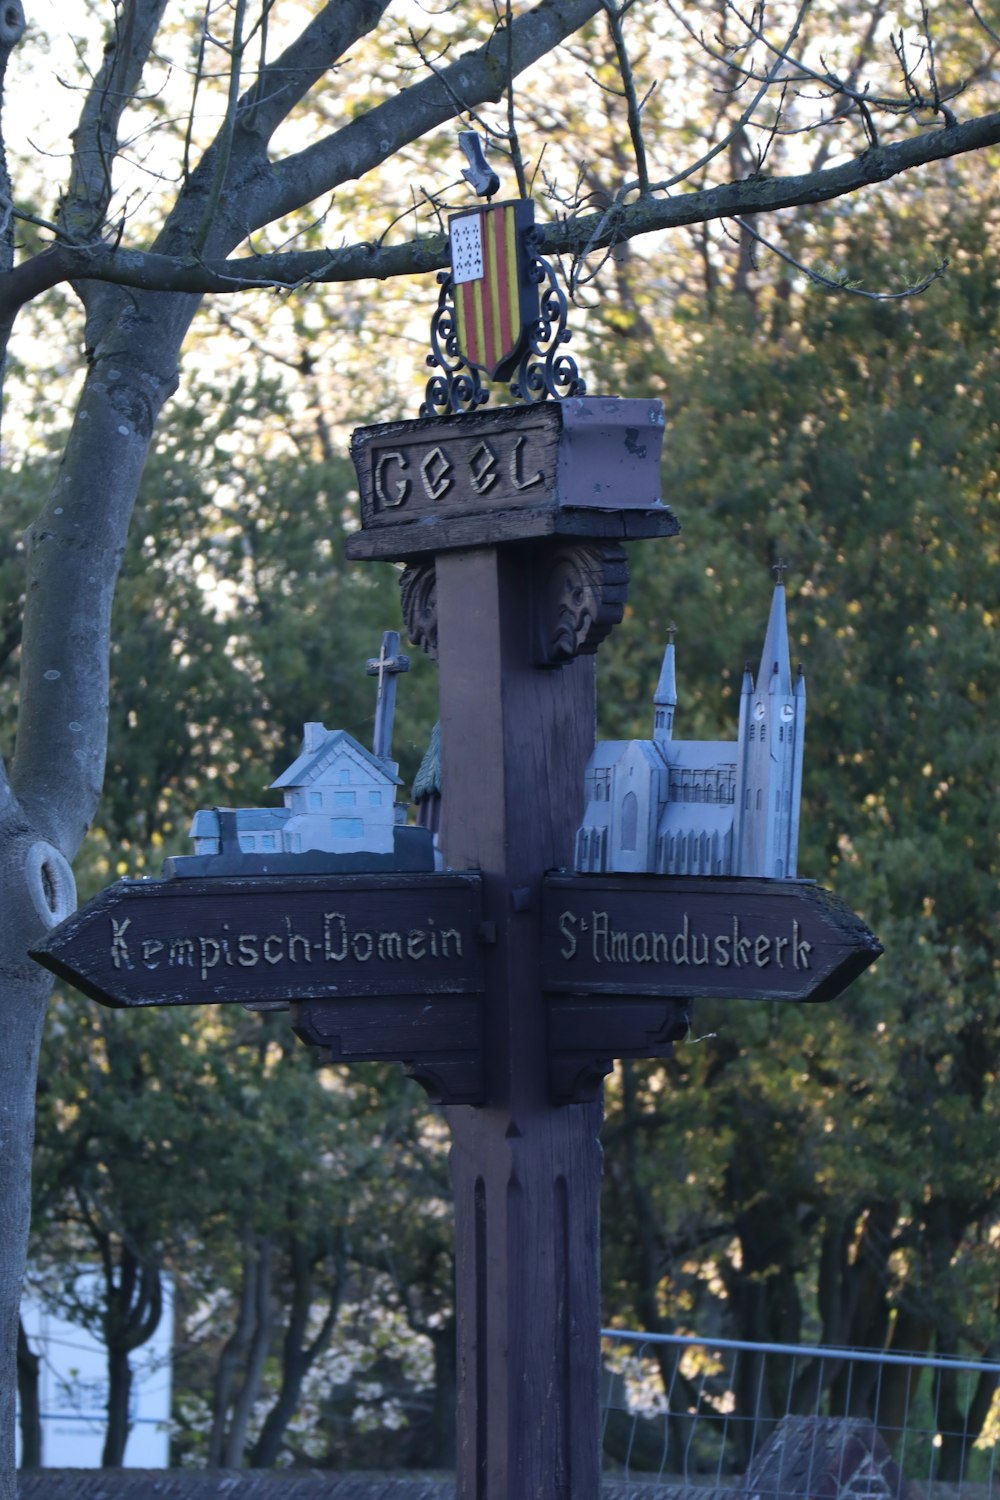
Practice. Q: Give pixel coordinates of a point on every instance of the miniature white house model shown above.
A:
(340, 809)
(704, 807)
(339, 797)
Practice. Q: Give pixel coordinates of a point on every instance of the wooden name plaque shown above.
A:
(733, 938)
(258, 940)
(586, 466)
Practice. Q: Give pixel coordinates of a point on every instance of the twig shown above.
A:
(224, 140)
(513, 139)
(829, 283)
(631, 98)
(745, 118)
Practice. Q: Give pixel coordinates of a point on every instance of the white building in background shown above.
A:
(73, 1387)
(704, 807)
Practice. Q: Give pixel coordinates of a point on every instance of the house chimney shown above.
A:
(313, 735)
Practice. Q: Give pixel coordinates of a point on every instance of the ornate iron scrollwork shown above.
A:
(458, 387)
(545, 369)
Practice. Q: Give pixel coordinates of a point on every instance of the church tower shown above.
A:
(665, 697)
(771, 740)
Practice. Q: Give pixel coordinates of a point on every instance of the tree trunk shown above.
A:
(28, 1366)
(441, 1447)
(260, 1344)
(24, 989)
(233, 1353)
(73, 552)
(119, 1390)
(298, 1356)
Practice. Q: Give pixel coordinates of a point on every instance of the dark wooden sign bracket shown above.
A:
(506, 986)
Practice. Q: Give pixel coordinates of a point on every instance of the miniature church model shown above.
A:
(704, 807)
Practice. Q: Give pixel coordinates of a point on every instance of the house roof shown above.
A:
(207, 820)
(308, 766)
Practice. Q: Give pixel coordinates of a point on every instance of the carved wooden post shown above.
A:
(526, 1175)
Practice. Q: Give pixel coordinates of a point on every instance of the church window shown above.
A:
(759, 796)
(746, 801)
(753, 731)
(630, 821)
(781, 731)
(710, 794)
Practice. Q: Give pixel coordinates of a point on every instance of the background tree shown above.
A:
(828, 1174)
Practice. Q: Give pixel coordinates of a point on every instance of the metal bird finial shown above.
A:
(478, 173)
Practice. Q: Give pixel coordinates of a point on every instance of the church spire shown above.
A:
(775, 674)
(665, 697)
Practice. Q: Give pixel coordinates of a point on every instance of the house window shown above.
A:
(344, 799)
(630, 821)
(346, 828)
(374, 799)
(315, 799)
(267, 841)
(247, 841)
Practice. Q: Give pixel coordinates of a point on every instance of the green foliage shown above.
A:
(830, 1172)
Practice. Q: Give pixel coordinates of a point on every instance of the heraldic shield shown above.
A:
(496, 300)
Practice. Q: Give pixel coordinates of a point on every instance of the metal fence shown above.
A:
(762, 1419)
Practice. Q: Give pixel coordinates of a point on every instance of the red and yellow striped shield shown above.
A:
(495, 301)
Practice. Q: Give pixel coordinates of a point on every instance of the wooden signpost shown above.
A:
(506, 986)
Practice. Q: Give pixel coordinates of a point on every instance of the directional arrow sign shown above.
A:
(254, 940)
(673, 936)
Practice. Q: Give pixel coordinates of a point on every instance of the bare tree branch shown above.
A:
(631, 98)
(95, 140)
(472, 79)
(152, 271)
